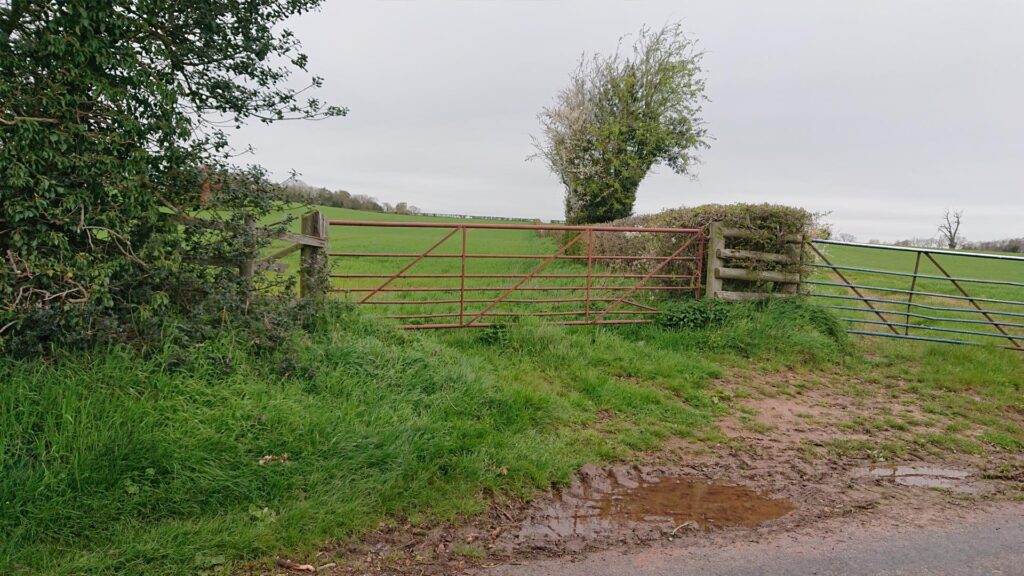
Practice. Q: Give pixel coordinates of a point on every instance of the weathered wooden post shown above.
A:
(788, 282)
(247, 267)
(715, 244)
(794, 251)
(313, 279)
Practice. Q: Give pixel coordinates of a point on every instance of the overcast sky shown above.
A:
(882, 113)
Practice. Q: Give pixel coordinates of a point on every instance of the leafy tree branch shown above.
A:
(113, 114)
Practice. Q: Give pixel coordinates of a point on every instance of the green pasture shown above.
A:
(565, 277)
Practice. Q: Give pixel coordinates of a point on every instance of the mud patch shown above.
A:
(604, 502)
(922, 477)
(787, 441)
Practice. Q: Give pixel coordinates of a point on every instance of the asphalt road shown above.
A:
(990, 545)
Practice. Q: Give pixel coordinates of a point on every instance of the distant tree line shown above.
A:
(1007, 245)
(920, 243)
(1012, 245)
(294, 190)
(1015, 245)
(950, 237)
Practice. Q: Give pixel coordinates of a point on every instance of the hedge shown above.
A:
(770, 222)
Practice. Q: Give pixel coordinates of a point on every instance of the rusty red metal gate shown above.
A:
(471, 274)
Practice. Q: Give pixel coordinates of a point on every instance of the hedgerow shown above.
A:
(122, 214)
(770, 224)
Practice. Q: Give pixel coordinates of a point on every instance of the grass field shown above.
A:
(563, 276)
(946, 324)
(191, 460)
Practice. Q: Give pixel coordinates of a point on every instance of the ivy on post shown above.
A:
(247, 267)
(313, 278)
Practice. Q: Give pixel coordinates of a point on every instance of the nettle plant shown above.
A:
(117, 186)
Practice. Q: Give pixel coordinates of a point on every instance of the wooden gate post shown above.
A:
(794, 251)
(313, 279)
(788, 282)
(715, 243)
(247, 267)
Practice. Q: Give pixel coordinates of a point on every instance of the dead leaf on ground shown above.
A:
(268, 458)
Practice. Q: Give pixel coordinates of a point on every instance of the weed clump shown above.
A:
(694, 314)
(789, 330)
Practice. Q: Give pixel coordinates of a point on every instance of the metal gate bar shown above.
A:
(606, 284)
(1009, 332)
(916, 305)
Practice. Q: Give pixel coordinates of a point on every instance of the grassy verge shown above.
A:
(173, 463)
(975, 394)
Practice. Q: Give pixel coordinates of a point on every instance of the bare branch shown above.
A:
(17, 119)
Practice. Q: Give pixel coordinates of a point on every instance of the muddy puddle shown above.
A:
(613, 501)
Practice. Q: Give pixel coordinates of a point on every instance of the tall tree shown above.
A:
(113, 116)
(621, 115)
(949, 229)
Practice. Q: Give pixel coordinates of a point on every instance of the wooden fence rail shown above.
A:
(719, 255)
(312, 243)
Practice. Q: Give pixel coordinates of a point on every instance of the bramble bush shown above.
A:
(693, 314)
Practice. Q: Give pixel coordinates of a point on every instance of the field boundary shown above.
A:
(447, 283)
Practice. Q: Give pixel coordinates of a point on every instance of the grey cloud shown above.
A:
(882, 113)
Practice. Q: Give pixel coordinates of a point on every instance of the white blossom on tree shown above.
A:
(621, 115)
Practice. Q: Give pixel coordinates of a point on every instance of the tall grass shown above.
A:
(114, 463)
(789, 332)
